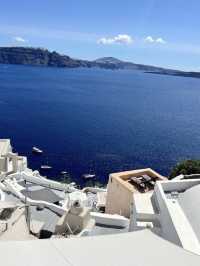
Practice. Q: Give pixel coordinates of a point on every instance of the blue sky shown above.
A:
(163, 33)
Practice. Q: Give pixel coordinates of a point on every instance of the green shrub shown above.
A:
(187, 167)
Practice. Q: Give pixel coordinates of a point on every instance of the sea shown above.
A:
(99, 121)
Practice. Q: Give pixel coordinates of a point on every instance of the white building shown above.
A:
(10, 162)
(142, 248)
(172, 212)
(31, 204)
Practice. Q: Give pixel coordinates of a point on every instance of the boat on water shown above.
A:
(46, 167)
(36, 150)
(64, 172)
(88, 176)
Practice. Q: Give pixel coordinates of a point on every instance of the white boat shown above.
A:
(63, 172)
(36, 150)
(46, 167)
(88, 176)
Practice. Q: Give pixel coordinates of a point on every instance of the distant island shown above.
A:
(43, 57)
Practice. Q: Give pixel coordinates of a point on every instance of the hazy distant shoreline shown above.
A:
(43, 57)
(177, 73)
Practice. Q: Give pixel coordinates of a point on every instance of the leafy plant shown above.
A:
(186, 167)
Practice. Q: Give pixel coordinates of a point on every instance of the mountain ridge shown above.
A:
(43, 57)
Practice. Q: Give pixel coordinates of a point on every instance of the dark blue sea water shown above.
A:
(99, 120)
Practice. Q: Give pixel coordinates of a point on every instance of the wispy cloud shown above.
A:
(160, 40)
(150, 39)
(119, 39)
(44, 33)
(39, 36)
(19, 39)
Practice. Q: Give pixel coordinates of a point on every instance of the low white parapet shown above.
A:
(42, 181)
(110, 219)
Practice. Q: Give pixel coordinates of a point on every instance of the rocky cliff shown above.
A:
(37, 56)
(43, 57)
